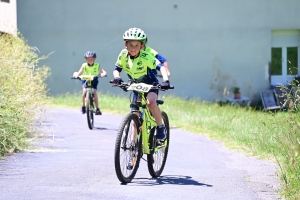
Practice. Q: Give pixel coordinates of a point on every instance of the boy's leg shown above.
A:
(151, 102)
(83, 101)
(96, 98)
(94, 85)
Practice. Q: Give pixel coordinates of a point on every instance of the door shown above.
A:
(284, 56)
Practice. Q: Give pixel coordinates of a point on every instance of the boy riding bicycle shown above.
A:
(148, 49)
(141, 66)
(90, 67)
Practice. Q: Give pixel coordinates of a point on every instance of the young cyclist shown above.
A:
(141, 67)
(90, 67)
(148, 49)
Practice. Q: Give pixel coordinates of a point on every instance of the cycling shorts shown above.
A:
(94, 83)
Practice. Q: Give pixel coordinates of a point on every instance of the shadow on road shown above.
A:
(102, 128)
(174, 180)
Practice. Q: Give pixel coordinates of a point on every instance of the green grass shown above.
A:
(273, 136)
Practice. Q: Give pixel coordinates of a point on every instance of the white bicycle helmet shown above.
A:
(135, 34)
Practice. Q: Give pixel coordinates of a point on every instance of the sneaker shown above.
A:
(83, 109)
(98, 112)
(131, 162)
(161, 132)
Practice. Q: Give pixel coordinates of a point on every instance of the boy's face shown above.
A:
(90, 60)
(133, 47)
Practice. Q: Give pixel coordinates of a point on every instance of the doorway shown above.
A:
(284, 56)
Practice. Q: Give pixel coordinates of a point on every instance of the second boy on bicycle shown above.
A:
(90, 67)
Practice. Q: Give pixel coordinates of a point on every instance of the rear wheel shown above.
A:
(128, 148)
(158, 152)
(89, 110)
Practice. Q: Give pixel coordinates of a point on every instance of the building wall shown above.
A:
(211, 46)
(8, 17)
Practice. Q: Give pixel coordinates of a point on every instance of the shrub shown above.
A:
(22, 90)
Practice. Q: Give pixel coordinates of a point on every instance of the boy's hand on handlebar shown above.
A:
(165, 85)
(117, 80)
(103, 75)
(75, 74)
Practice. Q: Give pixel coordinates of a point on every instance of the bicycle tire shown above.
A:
(125, 146)
(89, 110)
(157, 158)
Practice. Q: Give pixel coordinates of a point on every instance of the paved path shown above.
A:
(77, 163)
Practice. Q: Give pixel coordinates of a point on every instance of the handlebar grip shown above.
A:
(171, 87)
(111, 81)
(73, 78)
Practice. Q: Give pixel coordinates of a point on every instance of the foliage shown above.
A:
(289, 142)
(236, 90)
(295, 81)
(22, 90)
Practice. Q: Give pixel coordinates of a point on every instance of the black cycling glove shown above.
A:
(165, 84)
(117, 80)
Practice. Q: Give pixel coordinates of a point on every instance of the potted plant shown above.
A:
(236, 93)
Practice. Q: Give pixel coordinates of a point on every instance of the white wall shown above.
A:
(210, 45)
(8, 17)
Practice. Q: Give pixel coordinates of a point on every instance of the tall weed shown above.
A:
(289, 142)
(22, 90)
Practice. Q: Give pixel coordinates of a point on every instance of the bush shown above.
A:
(22, 90)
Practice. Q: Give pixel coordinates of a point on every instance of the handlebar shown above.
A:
(88, 77)
(125, 86)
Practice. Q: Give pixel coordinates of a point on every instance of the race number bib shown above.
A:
(140, 87)
(87, 77)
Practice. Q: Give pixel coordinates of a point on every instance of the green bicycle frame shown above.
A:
(148, 122)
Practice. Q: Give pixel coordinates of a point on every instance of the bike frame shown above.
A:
(89, 92)
(147, 120)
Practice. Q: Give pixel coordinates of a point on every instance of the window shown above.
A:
(276, 61)
(285, 56)
(6, 1)
(292, 60)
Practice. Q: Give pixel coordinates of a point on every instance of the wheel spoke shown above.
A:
(127, 146)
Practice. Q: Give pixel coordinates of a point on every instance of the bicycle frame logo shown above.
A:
(140, 87)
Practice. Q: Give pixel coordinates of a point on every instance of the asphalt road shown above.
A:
(76, 163)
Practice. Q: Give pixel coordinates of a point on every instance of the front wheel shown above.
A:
(158, 152)
(128, 148)
(89, 110)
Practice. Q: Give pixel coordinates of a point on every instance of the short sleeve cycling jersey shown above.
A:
(155, 54)
(91, 70)
(151, 51)
(141, 68)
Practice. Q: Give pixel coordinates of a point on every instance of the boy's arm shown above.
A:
(163, 60)
(162, 69)
(116, 74)
(76, 74)
(164, 73)
(167, 68)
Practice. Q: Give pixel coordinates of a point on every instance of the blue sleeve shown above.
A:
(160, 58)
(119, 69)
(159, 66)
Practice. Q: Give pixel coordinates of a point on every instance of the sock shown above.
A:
(161, 126)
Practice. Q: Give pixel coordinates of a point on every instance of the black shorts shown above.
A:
(94, 83)
(134, 104)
